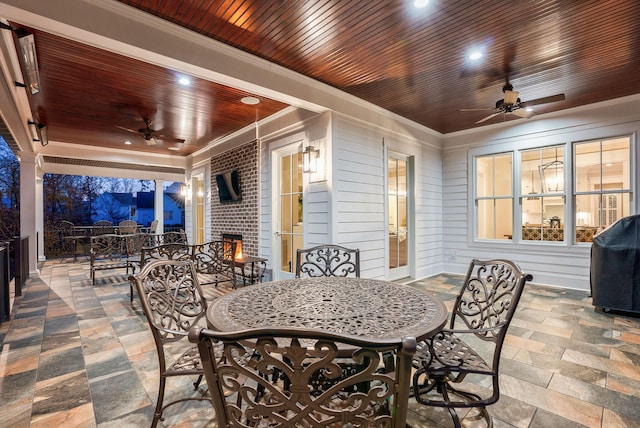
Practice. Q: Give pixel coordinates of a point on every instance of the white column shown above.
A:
(158, 205)
(40, 214)
(28, 207)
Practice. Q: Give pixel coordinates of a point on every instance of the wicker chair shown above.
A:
(482, 313)
(173, 302)
(274, 386)
(127, 227)
(327, 260)
(103, 227)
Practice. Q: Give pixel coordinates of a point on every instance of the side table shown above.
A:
(251, 268)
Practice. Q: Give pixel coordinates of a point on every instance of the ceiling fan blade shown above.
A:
(476, 109)
(523, 113)
(127, 129)
(544, 100)
(489, 117)
(170, 140)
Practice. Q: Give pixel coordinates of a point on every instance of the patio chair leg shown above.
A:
(157, 414)
(196, 384)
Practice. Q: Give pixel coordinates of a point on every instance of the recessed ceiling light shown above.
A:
(174, 148)
(250, 100)
(184, 81)
(128, 143)
(528, 109)
(475, 55)
(420, 3)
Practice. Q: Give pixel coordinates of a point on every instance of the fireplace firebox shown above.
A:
(230, 237)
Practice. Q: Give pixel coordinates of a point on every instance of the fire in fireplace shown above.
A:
(229, 237)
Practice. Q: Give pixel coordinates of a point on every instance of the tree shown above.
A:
(9, 193)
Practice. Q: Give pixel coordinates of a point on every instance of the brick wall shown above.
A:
(240, 217)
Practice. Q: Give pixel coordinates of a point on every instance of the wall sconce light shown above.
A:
(310, 160)
(41, 131)
(29, 57)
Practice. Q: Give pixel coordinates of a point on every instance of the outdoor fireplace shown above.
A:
(229, 237)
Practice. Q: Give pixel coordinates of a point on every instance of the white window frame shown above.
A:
(512, 196)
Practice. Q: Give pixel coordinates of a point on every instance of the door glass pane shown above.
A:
(286, 182)
(286, 256)
(291, 209)
(200, 211)
(398, 213)
(285, 220)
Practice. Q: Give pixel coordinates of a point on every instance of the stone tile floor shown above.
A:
(75, 355)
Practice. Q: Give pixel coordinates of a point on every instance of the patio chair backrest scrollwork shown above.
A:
(173, 251)
(276, 385)
(482, 312)
(178, 237)
(215, 262)
(154, 252)
(328, 260)
(173, 302)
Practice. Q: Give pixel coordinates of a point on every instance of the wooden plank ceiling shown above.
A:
(413, 62)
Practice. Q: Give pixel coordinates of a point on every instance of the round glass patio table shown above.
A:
(368, 308)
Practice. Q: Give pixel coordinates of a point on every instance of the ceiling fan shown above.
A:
(150, 135)
(511, 104)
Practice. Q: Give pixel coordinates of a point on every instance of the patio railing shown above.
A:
(14, 266)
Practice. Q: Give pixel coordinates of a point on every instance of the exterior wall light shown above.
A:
(41, 132)
(310, 160)
(29, 57)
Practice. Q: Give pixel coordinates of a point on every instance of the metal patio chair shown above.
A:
(478, 325)
(71, 237)
(328, 260)
(277, 384)
(215, 262)
(173, 302)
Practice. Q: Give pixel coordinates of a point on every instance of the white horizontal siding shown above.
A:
(429, 214)
(359, 197)
(358, 194)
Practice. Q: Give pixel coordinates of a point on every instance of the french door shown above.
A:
(288, 212)
(399, 185)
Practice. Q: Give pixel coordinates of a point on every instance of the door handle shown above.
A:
(277, 234)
